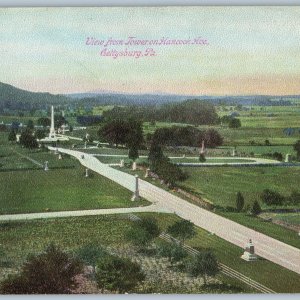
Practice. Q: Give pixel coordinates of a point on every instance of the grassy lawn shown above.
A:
(61, 189)
(273, 230)
(291, 218)
(72, 233)
(220, 184)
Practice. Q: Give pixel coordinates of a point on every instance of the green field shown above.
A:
(62, 189)
(220, 184)
(72, 233)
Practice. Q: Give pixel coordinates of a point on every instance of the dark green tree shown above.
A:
(172, 251)
(203, 264)
(51, 272)
(255, 209)
(297, 149)
(182, 229)
(44, 122)
(40, 134)
(12, 136)
(143, 231)
(28, 140)
(271, 197)
(114, 132)
(134, 138)
(234, 123)
(30, 125)
(155, 152)
(240, 202)
(118, 274)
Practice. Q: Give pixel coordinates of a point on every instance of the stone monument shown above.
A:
(249, 254)
(46, 168)
(202, 150)
(147, 173)
(86, 173)
(287, 158)
(59, 156)
(134, 166)
(122, 163)
(136, 194)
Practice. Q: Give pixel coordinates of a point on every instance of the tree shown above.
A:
(44, 122)
(234, 123)
(212, 138)
(239, 202)
(297, 149)
(255, 209)
(12, 136)
(28, 140)
(114, 132)
(134, 138)
(182, 230)
(173, 252)
(40, 134)
(91, 253)
(30, 125)
(272, 198)
(143, 232)
(203, 264)
(118, 274)
(51, 272)
(155, 152)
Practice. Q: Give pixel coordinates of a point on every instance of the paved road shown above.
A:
(79, 213)
(267, 247)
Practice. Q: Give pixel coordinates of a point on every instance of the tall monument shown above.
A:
(52, 134)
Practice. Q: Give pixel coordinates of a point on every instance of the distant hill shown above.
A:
(17, 99)
(13, 98)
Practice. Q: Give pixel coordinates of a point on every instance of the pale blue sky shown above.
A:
(252, 50)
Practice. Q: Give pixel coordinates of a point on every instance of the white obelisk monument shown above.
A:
(52, 134)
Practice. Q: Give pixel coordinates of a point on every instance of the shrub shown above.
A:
(255, 209)
(118, 274)
(272, 198)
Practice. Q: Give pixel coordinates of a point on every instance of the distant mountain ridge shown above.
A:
(14, 98)
(18, 99)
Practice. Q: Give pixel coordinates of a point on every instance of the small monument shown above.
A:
(86, 173)
(122, 163)
(85, 144)
(136, 194)
(147, 173)
(46, 168)
(134, 166)
(287, 158)
(249, 254)
(233, 152)
(59, 156)
(202, 150)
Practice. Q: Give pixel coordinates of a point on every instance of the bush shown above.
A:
(204, 264)
(271, 198)
(182, 230)
(118, 274)
(255, 209)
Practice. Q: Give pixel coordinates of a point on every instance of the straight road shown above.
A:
(265, 246)
(80, 213)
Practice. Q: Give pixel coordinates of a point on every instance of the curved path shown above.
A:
(266, 247)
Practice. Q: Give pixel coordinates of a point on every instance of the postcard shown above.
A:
(150, 150)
